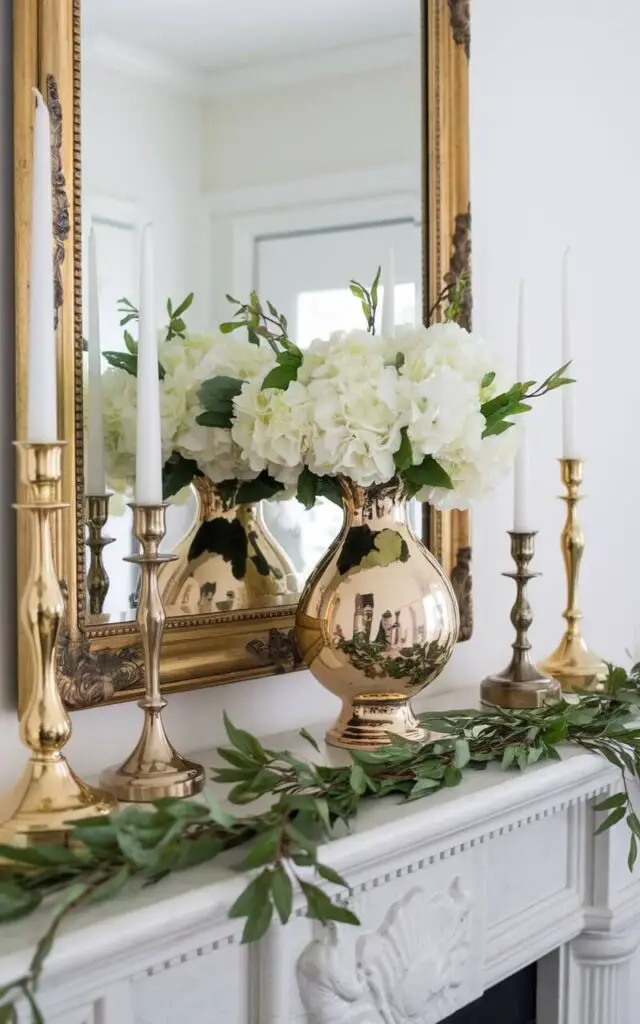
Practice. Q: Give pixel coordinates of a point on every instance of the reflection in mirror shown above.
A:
(284, 160)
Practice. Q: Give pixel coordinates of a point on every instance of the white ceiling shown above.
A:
(203, 35)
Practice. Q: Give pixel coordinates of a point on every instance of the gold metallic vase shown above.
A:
(96, 514)
(520, 685)
(227, 561)
(572, 663)
(154, 769)
(377, 620)
(49, 796)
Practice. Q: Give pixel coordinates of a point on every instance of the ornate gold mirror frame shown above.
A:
(100, 664)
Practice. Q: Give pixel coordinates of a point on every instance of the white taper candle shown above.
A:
(569, 443)
(42, 420)
(95, 482)
(148, 441)
(521, 522)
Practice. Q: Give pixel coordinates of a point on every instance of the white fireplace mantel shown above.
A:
(455, 893)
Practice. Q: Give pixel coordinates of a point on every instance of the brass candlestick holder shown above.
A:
(521, 685)
(572, 663)
(96, 514)
(49, 796)
(154, 769)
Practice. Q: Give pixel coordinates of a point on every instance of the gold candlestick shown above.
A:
(520, 685)
(49, 796)
(154, 769)
(97, 513)
(572, 663)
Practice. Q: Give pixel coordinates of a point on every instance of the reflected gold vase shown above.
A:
(377, 620)
(227, 561)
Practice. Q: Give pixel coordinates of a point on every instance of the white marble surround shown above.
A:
(455, 893)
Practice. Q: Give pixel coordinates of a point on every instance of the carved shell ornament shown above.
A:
(407, 972)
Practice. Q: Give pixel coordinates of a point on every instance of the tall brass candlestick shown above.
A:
(520, 685)
(154, 769)
(49, 795)
(97, 513)
(572, 663)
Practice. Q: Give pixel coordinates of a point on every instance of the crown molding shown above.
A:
(146, 65)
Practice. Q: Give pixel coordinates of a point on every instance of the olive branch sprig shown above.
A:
(309, 802)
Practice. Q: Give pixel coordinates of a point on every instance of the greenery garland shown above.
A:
(280, 844)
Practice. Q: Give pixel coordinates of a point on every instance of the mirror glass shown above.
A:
(274, 147)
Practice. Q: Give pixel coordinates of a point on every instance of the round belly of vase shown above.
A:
(377, 622)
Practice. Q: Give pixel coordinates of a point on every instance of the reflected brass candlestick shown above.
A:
(97, 513)
(521, 685)
(572, 663)
(154, 769)
(49, 796)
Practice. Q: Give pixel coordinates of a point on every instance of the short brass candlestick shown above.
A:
(49, 796)
(572, 663)
(154, 769)
(97, 513)
(520, 685)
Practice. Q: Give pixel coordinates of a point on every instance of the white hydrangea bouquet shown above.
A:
(426, 405)
(190, 449)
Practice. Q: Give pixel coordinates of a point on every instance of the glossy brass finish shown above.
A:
(520, 685)
(154, 769)
(228, 561)
(49, 796)
(97, 513)
(377, 620)
(572, 663)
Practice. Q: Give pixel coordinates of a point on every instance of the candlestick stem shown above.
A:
(520, 685)
(572, 663)
(49, 796)
(154, 769)
(97, 513)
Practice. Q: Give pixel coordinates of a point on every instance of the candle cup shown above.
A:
(97, 513)
(520, 685)
(572, 663)
(154, 769)
(49, 797)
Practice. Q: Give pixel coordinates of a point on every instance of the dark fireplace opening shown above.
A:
(513, 1001)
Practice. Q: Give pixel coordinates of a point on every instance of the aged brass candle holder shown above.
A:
(96, 514)
(572, 663)
(49, 796)
(520, 685)
(154, 769)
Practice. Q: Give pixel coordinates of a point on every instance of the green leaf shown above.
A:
(244, 741)
(123, 361)
(285, 372)
(282, 893)
(177, 473)
(184, 305)
(16, 902)
(399, 361)
(217, 395)
(634, 823)
(617, 800)
(309, 738)
(258, 923)
(263, 851)
(229, 326)
(358, 779)
(252, 898)
(356, 290)
(633, 852)
(403, 458)
(132, 345)
(611, 820)
(509, 757)
(428, 474)
(374, 287)
(111, 886)
(462, 754)
(488, 380)
(452, 775)
(36, 1013)
(264, 487)
(312, 487)
(8, 1014)
(331, 876)
(321, 908)
(423, 786)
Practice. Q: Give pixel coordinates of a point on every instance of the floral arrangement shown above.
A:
(186, 360)
(307, 801)
(427, 405)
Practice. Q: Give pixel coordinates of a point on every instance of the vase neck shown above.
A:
(379, 507)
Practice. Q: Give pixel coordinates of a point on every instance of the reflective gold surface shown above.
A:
(377, 620)
(49, 795)
(520, 685)
(572, 663)
(227, 561)
(154, 769)
(97, 513)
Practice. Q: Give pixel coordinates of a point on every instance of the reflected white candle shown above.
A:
(388, 276)
(42, 420)
(148, 441)
(521, 467)
(94, 462)
(569, 443)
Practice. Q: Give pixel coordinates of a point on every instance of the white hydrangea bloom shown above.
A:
(271, 428)
(474, 478)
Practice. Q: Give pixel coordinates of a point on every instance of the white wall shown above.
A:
(555, 160)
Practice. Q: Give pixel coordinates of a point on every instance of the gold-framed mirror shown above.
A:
(287, 173)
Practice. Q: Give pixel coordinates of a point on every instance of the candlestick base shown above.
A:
(574, 666)
(503, 691)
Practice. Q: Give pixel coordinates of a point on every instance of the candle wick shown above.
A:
(39, 97)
